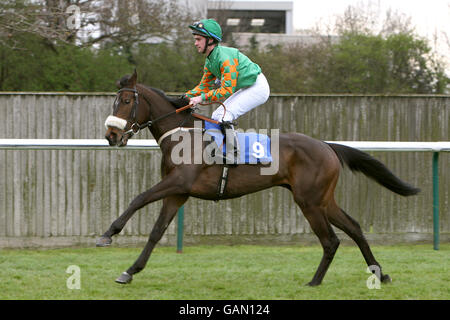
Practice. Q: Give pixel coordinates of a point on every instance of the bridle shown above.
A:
(136, 127)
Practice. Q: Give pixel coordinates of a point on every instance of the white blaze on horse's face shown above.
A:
(115, 122)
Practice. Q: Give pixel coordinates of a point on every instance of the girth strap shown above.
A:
(222, 182)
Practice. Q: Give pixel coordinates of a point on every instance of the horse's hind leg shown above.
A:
(319, 224)
(168, 212)
(343, 221)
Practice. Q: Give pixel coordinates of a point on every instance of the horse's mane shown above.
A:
(177, 102)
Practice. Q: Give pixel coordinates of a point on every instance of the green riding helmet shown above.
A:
(207, 28)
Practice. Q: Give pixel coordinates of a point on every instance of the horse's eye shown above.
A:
(127, 101)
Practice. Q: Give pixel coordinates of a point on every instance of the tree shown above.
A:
(375, 56)
(81, 45)
(173, 67)
(371, 56)
(66, 67)
(86, 22)
(396, 63)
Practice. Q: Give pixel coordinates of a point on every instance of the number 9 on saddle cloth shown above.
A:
(254, 148)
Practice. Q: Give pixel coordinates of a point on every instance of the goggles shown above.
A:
(201, 27)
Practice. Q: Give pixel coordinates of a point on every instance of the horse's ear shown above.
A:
(133, 79)
(118, 85)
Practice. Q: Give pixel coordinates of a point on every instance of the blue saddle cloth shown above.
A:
(254, 147)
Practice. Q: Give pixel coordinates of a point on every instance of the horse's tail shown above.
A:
(360, 161)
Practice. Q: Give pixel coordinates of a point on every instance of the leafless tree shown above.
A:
(86, 22)
(368, 19)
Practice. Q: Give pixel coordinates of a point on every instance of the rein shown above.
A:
(136, 127)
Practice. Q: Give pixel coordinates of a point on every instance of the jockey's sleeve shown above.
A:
(204, 86)
(228, 82)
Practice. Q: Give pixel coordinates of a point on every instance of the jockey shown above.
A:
(242, 84)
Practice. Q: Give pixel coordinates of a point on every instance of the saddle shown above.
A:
(254, 148)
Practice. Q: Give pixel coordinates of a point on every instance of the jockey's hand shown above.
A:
(195, 100)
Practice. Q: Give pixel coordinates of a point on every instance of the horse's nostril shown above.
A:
(111, 138)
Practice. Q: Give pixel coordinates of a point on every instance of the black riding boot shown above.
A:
(232, 156)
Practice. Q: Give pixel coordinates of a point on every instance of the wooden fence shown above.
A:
(57, 198)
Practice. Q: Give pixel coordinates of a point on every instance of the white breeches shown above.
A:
(243, 100)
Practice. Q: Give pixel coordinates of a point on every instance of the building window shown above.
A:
(257, 22)
(233, 22)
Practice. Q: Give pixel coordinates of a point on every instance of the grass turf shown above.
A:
(225, 272)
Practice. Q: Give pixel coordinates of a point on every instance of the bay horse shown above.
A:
(309, 168)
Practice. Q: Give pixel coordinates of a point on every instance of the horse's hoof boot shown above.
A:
(386, 279)
(124, 278)
(104, 242)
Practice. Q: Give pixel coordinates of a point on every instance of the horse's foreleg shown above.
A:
(170, 185)
(168, 212)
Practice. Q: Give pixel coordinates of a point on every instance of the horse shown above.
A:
(308, 168)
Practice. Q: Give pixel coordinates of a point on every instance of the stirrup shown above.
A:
(227, 125)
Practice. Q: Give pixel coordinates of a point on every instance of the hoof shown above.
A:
(312, 284)
(124, 278)
(104, 241)
(386, 279)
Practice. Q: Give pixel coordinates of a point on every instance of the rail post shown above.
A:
(180, 229)
(436, 200)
